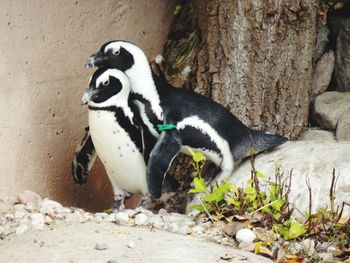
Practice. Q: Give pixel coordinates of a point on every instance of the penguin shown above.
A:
(114, 135)
(181, 118)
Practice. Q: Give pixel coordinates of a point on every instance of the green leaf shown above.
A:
(233, 188)
(277, 216)
(296, 230)
(260, 175)
(250, 181)
(201, 208)
(234, 202)
(266, 210)
(250, 192)
(213, 197)
(277, 205)
(199, 186)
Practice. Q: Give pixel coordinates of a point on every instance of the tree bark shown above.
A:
(255, 57)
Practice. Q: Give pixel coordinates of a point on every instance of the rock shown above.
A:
(21, 229)
(328, 108)
(265, 235)
(131, 244)
(327, 257)
(19, 207)
(50, 207)
(122, 217)
(245, 235)
(313, 159)
(48, 220)
(173, 227)
(74, 217)
(232, 228)
(28, 197)
(162, 212)
(322, 41)
(323, 74)
(19, 214)
(5, 207)
(38, 221)
(342, 56)
(343, 128)
(101, 245)
(199, 230)
(184, 230)
(141, 219)
(156, 221)
(112, 218)
(317, 135)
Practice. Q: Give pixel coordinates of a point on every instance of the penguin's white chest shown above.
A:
(122, 160)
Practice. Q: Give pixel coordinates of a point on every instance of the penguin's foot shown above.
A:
(145, 201)
(118, 203)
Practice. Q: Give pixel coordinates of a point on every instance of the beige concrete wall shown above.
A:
(43, 47)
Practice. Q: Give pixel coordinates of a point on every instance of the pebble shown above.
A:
(156, 221)
(50, 207)
(38, 221)
(184, 230)
(19, 207)
(122, 218)
(28, 197)
(101, 245)
(48, 220)
(74, 217)
(245, 235)
(112, 218)
(141, 219)
(5, 208)
(131, 244)
(173, 227)
(199, 230)
(21, 229)
(19, 214)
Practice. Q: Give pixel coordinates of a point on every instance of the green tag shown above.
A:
(165, 127)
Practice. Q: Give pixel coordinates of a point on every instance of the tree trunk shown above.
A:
(255, 57)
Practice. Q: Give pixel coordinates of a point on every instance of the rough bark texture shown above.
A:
(255, 57)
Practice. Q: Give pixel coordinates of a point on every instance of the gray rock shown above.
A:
(19, 214)
(101, 245)
(156, 221)
(342, 56)
(38, 221)
(317, 135)
(184, 230)
(141, 219)
(21, 229)
(74, 217)
(199, 230)
(19, 207)
(173, 227)
(50, 207)
(323, 74)
(122, 217)
(343, 128)
(328, 108)
(131, 244)
(112, 218)
(322, 41)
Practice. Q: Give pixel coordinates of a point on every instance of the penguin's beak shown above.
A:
(96, 60)
(88, 95)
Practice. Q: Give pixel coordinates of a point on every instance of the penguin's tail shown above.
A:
(256, 142)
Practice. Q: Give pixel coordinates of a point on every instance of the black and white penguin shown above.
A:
(115, 134)
(180, 118)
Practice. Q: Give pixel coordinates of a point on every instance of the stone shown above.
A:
(245, 235)
(323, 74)
(19, 214)
(50, 207)
(48, 220)
(122, 217)
(21, 229)
(101, 245)
(131, 244)
(28, 197)
(328, 108)
(112, 218)
(173, 227)
(141, 219)
(38, 221)
(184, 230)
(198, 229)
(343, 128)
(19, 207)
(232, 228)
(265, 235)
(74, 217)
(315, 160)
(317, 135)
(156, 221)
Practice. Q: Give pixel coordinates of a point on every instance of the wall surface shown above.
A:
(43, 47)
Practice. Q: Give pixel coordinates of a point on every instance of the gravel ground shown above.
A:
(44, 231)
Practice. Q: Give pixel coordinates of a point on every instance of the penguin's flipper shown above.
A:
(84, 157)
(163, 153)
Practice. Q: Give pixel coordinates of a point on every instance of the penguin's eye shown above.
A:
(106, 83)
(116, 52)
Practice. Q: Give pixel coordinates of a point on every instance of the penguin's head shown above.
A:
(107, 87)
(118, 54)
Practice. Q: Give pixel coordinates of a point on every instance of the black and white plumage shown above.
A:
(115, 134)
(84, 158)
(200, 122)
